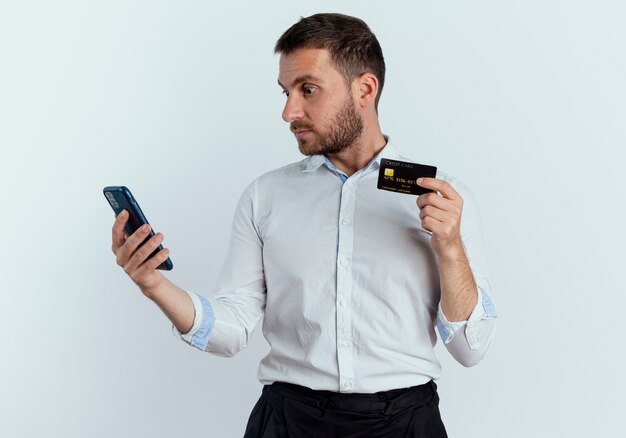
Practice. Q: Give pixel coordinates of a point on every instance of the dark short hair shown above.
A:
(353, 47)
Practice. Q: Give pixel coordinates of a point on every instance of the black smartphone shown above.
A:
(120, 198)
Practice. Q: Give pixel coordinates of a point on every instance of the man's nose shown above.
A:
(293, 110)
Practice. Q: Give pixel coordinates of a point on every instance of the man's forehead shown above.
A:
(305, 64)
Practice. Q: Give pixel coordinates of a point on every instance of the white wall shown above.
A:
(523, 101)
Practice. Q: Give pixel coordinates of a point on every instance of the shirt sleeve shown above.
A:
(468, 341)
(225, 320)
(203, 323)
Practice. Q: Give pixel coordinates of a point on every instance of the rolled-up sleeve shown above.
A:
(468, 341)
(203, 323)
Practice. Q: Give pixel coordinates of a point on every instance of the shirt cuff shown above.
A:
(484, 309)
(203, 323)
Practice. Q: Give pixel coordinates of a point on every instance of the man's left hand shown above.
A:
(440, 212)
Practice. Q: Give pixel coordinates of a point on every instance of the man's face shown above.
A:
(320, 107)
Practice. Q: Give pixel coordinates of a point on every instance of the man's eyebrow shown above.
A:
(303, 78)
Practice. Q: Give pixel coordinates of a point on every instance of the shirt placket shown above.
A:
(345, 352)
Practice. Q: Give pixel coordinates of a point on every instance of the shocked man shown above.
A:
(350, 280)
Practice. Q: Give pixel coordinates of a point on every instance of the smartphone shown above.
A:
(120, 198)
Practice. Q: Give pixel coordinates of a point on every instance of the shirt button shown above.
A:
(344, 262)
(341, 303)
(347, 385)
(345, 222)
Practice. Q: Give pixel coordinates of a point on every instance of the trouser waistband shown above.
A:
(383, 401)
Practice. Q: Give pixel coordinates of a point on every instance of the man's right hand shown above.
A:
(134, 259)
(173, 301)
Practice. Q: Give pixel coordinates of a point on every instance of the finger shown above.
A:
(125, 252)
(118, 230)
(439, 185)
(431, 224)
(433, 199)
(441, 230)
(156, 261)
(143, 253)
(138, 237)
(435, 213)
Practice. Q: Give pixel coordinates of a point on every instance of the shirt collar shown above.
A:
(314, 162)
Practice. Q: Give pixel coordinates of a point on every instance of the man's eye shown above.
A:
(308, 90)
(285, 92)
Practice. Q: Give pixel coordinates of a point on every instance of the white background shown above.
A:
(523, 101)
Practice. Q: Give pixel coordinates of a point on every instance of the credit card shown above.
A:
(399, 176)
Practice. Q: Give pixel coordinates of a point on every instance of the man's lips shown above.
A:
(300, 133)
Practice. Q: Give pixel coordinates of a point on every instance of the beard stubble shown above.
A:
(344, 130)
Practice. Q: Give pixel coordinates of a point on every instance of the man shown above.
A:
(350, 280)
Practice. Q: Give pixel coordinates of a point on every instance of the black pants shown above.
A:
(287, 410)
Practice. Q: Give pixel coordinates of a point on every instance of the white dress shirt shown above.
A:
(345, 279)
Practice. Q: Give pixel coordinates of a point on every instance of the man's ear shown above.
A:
(367, 89)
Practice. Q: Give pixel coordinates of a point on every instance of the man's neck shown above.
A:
(358, 155)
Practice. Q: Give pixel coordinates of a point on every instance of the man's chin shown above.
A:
(308, 149)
